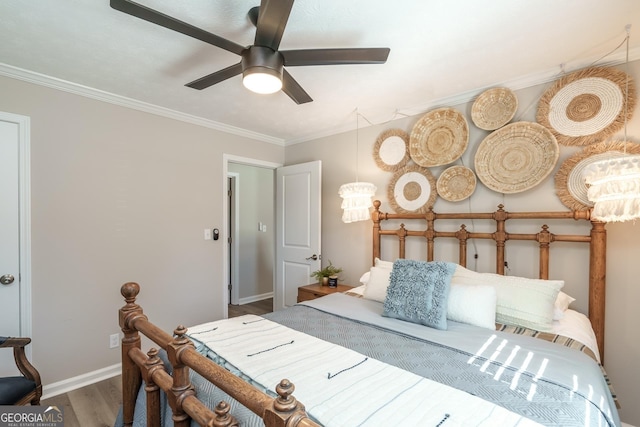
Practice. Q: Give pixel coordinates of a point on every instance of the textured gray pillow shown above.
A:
(418, 292)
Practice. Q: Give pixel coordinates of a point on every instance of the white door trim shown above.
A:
(235, 238)
(24, 172)
(226, 159)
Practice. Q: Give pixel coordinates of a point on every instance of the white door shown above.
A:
(298, 196)
(10, 284)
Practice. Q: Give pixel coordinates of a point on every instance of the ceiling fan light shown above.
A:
(261, 80)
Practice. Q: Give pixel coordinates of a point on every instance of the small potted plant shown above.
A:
(322, 276)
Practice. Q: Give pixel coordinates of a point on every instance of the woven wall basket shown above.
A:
(412, 189)
(391, 150)
(569, 184)
(456, 183)
(587, 106)
(439, 138)
(494, 108)
(516, 157)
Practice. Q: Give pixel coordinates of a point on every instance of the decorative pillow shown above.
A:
(561, 305)
(520, 301)
(418, 292)
(473, 304)
(377, 285)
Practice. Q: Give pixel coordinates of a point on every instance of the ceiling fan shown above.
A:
(262, 64)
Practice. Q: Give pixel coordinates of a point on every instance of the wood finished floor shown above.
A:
(97, 405)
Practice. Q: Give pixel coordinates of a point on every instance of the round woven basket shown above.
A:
(412, 189)
(587, 106)
(391, 150)
(570, 186)
(516, 157)
(456, 183)
(494, 108)
(439, 137)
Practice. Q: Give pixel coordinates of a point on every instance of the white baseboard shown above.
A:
(255, 298)
(70, 384)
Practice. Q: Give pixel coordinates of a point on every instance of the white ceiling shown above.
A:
(442, 52)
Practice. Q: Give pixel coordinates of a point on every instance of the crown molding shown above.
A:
(522, 82)
(100, 95)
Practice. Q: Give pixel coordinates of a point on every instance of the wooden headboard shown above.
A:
(423, 226)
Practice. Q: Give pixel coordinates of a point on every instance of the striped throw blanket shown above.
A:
(338, 386)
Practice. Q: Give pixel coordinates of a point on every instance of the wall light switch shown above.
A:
(207, 234)
(264, 228)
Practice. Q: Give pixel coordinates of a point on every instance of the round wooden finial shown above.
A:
(180, 337)
(285, 401)
(152, 353)
(223, 417)
(130, 291)
(376, 204)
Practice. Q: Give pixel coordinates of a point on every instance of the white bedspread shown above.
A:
(340, 387)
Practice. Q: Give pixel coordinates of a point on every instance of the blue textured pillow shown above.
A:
(418, 292)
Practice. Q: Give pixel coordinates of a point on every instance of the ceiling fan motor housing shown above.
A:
(260, 59)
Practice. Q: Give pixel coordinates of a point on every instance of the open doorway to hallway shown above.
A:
(251, 244)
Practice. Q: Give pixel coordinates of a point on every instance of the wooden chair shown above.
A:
(24, 389)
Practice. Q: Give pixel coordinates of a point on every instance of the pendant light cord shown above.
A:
(357, 140)
(626, 89)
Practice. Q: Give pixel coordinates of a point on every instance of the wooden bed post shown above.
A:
(286, 411)
(131, 376)
(597, 281)
(153, 391)
(181, 384)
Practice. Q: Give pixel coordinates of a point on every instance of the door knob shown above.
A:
(7, 279)
(313, 257)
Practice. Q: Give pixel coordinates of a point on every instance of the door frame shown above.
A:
(24, 206)
(234, 186)
(226, 159)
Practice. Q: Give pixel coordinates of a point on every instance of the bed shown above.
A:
(421, 342)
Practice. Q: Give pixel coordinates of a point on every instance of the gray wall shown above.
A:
(119, 195)
(349, 245)
(256, 248)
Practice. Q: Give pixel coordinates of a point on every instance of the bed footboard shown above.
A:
(137, 366)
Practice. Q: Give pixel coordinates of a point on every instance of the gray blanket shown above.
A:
(551, 384)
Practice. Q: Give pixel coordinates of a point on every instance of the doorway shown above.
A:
(15, 233)
(248, 215)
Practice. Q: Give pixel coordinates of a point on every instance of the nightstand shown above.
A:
(309, 292)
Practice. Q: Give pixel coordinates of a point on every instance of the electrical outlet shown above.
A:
(114, 340)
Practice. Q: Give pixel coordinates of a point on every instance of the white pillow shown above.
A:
(473, 304)
(561, 305)
(520, 301)
(378, 283)
(364, 279)
(384, 264)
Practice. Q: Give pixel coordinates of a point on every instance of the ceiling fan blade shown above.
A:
(272, 19)
(293, 89)
(376, 55)
(217, 77)
(134, 9)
